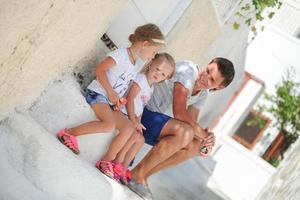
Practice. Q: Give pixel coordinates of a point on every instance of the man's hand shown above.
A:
(210, 139)
(200, 134)
(207, 144)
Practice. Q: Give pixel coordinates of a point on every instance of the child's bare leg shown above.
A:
(133, 151)
(125, 131)
(103, 113)
(121, 155)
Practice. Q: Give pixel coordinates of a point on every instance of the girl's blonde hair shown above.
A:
(161, 57)
(148, 32)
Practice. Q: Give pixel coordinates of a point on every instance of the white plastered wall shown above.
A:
(41, 39)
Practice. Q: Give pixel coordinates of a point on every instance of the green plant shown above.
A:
(274, 161)
(256, 121)
(249, 13)
(284, 105)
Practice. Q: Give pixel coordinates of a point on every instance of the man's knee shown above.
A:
(185, 135)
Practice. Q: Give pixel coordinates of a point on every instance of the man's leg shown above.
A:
(190, 151)
(174, 136)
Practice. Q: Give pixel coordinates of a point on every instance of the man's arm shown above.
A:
(181, 112)
(209, 141)
(194, 112)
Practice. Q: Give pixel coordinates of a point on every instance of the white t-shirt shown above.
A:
(120, 75)
(186, 73)
(142, 97)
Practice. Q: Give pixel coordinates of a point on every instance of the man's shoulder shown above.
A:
(186, 67)
(186, 63)
(186, 71)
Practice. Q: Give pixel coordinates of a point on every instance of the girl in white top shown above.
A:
(113, 75)
(162, 67)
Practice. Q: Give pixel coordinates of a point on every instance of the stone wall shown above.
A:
(41, 39)
(195, 32)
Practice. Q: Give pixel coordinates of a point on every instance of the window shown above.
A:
(250, 131)
(137, 12)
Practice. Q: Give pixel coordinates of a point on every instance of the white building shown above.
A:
(40, 41)
(237, 167)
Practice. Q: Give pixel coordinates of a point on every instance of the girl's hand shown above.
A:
(139, 127)
(113, 97)
(120, 103)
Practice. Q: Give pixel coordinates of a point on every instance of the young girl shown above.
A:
(159, 69)
(113, 76)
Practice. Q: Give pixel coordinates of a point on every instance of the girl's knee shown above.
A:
(137, 138)
(110, 125)
(128, 129)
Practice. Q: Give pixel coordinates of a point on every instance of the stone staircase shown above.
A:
(34, 165)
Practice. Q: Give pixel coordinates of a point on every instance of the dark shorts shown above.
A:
(154, 123)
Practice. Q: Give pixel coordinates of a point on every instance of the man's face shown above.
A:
(210, 77)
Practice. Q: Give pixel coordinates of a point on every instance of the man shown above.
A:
(177, 139)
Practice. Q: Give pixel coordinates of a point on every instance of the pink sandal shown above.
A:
(118, 170)
(106, 167)
(119, 173)
(71, 142)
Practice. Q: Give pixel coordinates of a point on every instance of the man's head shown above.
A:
(216, 75)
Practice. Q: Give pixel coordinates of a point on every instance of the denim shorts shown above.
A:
(94, 97)
(154, 123)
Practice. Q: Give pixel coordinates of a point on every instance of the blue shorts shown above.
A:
(154, 123)
(94, 97)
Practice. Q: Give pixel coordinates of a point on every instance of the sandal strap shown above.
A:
(106, 167)
(118, 168)
(71, 142)
(128, 175)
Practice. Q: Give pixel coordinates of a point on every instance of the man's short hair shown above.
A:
(226, 68)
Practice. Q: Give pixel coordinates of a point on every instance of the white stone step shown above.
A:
(37, 166)
(34, 165)
(63, 106)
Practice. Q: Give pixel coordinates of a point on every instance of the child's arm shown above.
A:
(101, 76)
(133, 91)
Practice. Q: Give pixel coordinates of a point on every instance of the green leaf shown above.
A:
(259, 17)
(248, 21)
(271, 14)
(236, 25)
(254, 30)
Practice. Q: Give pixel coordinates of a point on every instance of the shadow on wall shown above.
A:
(84, 70)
